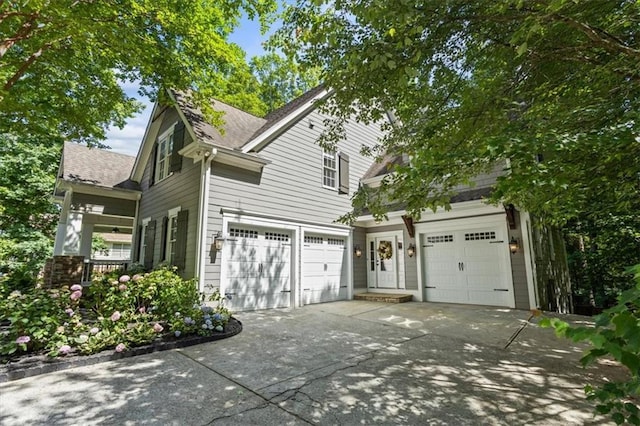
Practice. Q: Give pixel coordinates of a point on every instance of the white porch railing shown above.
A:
(92, 265)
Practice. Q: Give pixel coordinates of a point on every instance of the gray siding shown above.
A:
(179, 189)
(360, 264)
(518, 269)
(291, 186)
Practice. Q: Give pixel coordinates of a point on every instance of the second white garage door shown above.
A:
(324, 268)
(467, 265)
(258, 268)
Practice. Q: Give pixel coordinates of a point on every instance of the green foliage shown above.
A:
(27, 215)
(600, 248)
(99, 245)
(617, 335)
(116, 311)
(62, 62)
(473, 84)
(281, 79)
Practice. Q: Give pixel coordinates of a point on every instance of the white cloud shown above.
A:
(127, 140)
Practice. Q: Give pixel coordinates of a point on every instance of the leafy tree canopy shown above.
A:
(281, 79)
(476, 85)
(61, 61)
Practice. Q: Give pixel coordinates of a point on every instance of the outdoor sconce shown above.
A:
(218, 241)
(357, 251)
(411, 250)
(513, 245)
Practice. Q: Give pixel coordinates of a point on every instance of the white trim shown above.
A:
(275, 130)
(61, 232)
(165, 169)
(203, 216)
(153, 126)
(134, 231)
(400, 269)
(143, 236)
(83, 188)
(172, 213)
(525, 227)
(274, 220)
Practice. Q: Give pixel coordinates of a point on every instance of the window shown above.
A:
(143, 239)
(172, 234)
(163, 156)
(120, 251)
(329, 170)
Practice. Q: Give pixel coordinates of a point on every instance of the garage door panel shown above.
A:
(447, 295)
(324, 260)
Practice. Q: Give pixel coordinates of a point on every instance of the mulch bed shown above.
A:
(33, 365)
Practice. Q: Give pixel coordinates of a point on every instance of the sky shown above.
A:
(127, 140)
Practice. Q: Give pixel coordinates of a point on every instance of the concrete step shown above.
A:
(384, 297)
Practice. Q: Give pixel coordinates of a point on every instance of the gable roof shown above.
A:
(383, 167)
(238, 126)
(98, 167)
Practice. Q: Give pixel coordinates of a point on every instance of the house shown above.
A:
(117, 245)
(252, 212)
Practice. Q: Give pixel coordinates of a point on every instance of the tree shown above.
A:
(62, 62)
(552, 87)
(281, 79)
(27, 214)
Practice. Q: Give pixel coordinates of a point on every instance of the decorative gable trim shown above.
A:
(264, 138)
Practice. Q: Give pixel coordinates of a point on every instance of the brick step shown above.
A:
(384, 297)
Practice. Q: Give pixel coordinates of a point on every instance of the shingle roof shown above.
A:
(93, 166)
(276, 115)
(383, 167)
(238, 125)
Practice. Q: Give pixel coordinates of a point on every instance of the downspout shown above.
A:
(203, 216)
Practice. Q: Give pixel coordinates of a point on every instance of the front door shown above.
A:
(382, 258)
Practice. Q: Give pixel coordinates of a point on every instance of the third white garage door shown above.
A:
(324, 268)
(467, 265)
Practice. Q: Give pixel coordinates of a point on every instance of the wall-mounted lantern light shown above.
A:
(218, 241)
(357, 251)
(513, 245)
(411, 250)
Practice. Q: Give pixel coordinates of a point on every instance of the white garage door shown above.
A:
(258, 268)
(324, 268)
(469, 265)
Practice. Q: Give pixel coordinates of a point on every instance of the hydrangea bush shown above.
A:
(117, 311)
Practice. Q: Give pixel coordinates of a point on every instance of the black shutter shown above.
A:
(154, 161)
(343, 173)
(178, 143)
(163, 238)
(181, 240)
(136, 256)
(149, 242)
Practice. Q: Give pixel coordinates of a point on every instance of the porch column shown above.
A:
(73, 234)
(86, 235)
(61, 232)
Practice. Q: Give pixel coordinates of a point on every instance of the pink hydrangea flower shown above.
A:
(142, 310)
(115, 316)
(157, 328)
(124, 278)
(69, 312)
(137, 277)
(64, 349)
(120, 347)
(76, 287)
(122, 287)
(23, 339)
(94, 330)
(76, 295)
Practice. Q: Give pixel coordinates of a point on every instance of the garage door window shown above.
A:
(440, 239)
(312, 240)
(243, 233)
(274, 236)
(476, 236)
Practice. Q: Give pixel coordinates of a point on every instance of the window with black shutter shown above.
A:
(149, 242)
(180, 249)
(343, 173)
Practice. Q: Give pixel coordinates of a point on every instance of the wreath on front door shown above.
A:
(385, 250)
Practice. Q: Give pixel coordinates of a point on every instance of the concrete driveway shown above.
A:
(343, 363)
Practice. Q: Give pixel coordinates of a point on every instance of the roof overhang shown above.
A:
(84, 188)
(240, 159)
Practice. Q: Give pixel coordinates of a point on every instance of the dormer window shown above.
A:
(163, 158)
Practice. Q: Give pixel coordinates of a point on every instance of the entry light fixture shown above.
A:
(513, 245)
(218, 241)
(411, 250)
(357, 251)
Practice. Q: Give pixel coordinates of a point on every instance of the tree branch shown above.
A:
(9, 84)
(24, 32)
